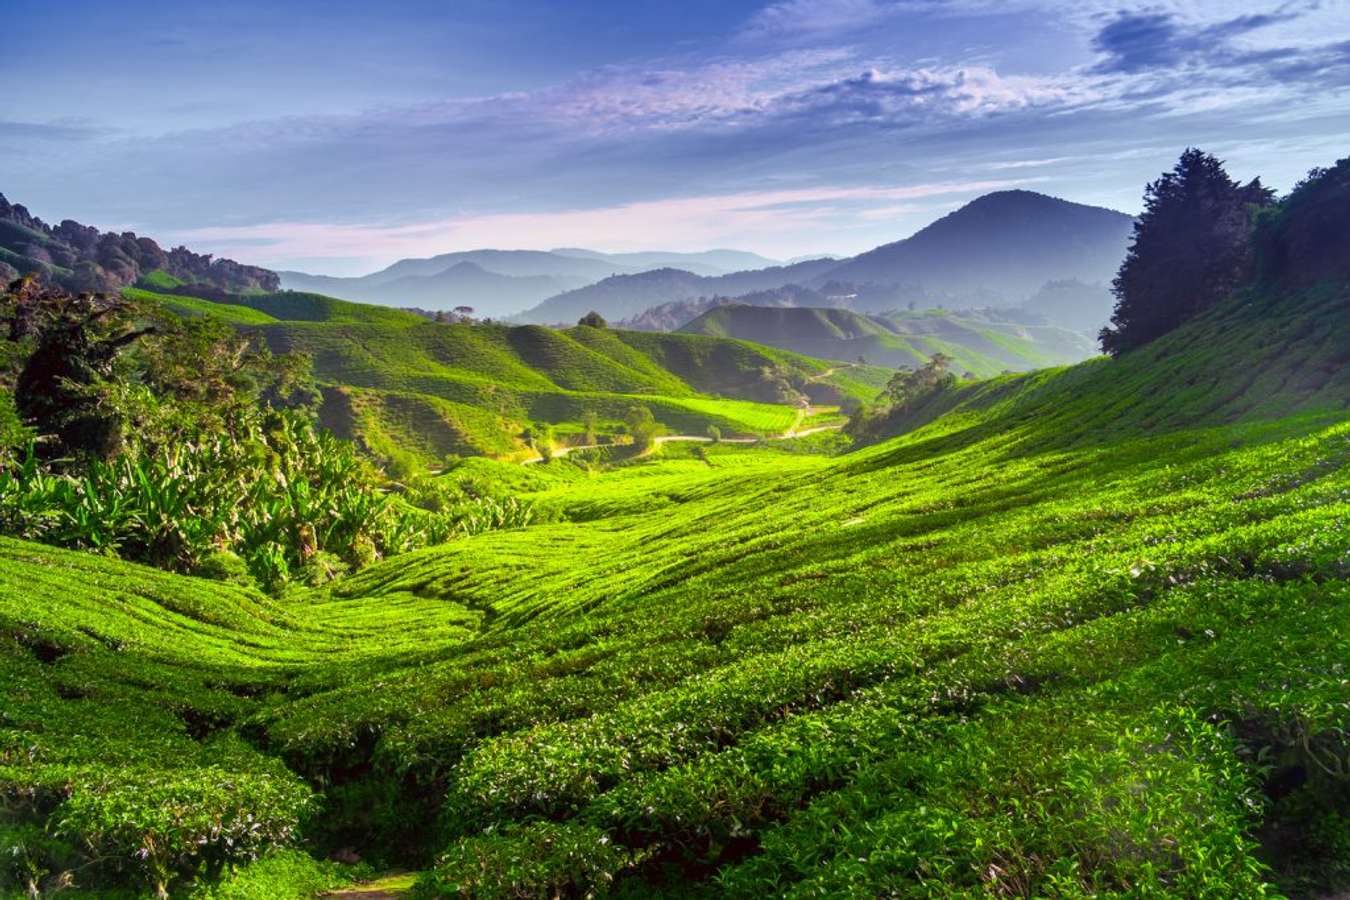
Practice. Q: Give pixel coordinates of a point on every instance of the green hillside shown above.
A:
(183, 305)
(979, 342)
(1074, 633)
(398, 383)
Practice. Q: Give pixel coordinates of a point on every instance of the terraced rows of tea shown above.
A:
(1050, 641)
(403, 386)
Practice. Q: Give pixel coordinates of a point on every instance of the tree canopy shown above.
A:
(1191, 247)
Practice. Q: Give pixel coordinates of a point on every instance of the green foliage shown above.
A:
(641, 426)
(205, 457)
(907, 390)
(195, 306)
(984, 342)
(282, 496)
(281, 873)
(1306, 238)
(542, 859)
(158, 280)
(1077, 633)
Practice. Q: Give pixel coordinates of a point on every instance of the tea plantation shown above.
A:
(402, 386)
(1080, 632)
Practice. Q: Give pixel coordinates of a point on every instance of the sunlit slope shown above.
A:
(979, 343)
(400, 384)
(1261, 354)
(912, 645)
(1083, 634)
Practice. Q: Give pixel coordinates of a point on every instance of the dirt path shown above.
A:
(830, 371)
(388, 887)
(793, 432)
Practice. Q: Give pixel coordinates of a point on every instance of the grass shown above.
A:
(184, 305)
(1076, 632)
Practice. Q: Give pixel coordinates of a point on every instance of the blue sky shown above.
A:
(337, 136)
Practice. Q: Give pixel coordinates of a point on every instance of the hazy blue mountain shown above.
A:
(705, 262)
(463, 283)
(1069, 303)
(1001, 247)
(625, 296)
(996, 250)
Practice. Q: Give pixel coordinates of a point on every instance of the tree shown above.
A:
(714, 433)
(589, 426)
(642, 426)
(1191, 248)
(441, 317)
(908, 386)
(464, 311)
(77, 341)
(593, 319)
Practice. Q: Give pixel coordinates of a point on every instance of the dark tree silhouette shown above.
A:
(1191, 248)
(1308, 237)
(593, 319)
(77, 340)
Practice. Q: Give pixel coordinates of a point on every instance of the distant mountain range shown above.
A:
(997, 250)
(463, 282)
(625, 296)
(981, 342)
(706, 262)
(498, 283)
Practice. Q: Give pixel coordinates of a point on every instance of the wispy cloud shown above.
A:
(61, 130)
(795, 19)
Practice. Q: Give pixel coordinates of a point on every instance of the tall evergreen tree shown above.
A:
(1191, 248)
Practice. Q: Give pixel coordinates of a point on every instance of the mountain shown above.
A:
(1070, 303)
(994, 251)
(81, 258)
(980, 342)
(495, 282)
(1004, 246)
(706, 262)
(424, 282)
(671, 316)
(624, 296)
(469, 284)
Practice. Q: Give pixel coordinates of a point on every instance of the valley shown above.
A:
(302, 596)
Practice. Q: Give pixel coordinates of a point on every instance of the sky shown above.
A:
(337, 137)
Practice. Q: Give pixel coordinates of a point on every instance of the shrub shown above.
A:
(545, 859)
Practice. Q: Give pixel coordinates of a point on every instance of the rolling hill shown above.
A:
(982, 343)
(623, 296)
(398, 384)
(1078, 632)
